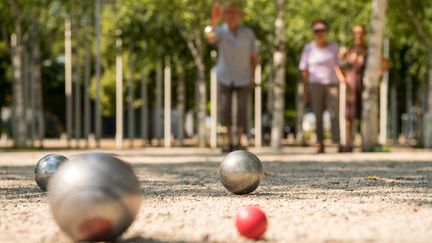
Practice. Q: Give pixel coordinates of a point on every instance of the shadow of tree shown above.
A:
(282, 177)
(139, 239)
(292, 179)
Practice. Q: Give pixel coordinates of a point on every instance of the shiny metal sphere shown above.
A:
(46, 167)
(94, 197)
(240, 172)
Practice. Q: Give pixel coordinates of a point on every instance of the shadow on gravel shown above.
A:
(139, 239)
(282, 179)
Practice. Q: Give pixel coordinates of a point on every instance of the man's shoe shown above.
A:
(227, 149)
(240, 147)
(321, 150)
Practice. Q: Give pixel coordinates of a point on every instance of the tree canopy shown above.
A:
(153, 29)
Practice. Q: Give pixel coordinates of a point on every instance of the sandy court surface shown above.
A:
(383, 197)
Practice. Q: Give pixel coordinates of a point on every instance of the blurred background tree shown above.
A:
(153, 29)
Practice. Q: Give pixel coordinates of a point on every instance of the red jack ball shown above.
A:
(251, 222)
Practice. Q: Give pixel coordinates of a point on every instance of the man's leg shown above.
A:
(318, 105)
(332, 103)
(225, 101)
(242, 111)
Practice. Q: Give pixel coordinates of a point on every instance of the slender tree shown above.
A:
(37, 87)
(131, 99)
(279, 58)
(19, 121)
(195, 43)
(98, 115)
(181, 103)
(371, 78)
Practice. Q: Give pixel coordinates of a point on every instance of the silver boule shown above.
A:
(240, 172)
(94, 197)
(46, 167)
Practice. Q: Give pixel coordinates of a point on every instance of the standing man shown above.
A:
(238, 57)
(321, 73)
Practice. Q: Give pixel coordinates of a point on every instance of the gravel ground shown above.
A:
(307, 198)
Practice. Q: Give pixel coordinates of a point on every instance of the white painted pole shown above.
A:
(383, 99)
(342, 110)
(258, 107)
(98, 116)
(119, 92)
(167, 103)
(214, 107)
(68, 79)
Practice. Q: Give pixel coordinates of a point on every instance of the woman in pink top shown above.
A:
(321, 74)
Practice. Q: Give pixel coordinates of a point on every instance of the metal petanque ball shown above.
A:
(240, 172)
(46, 167)
(94, 197)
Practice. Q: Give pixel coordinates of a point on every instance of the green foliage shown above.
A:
(151, 30)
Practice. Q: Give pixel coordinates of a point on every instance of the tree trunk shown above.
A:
(144, 107)
(87, 74)
(19, 121)
(269, 88)
(32, 104)
(420, 112)
(28, 96)
(77, 97)
(371, 78)
(202, 104)
(68, 79)
(427, 136)
(395, 115)
(279, 83)
(195, 47)
(181, 106)
(158, 120)
(384, 87)
(37, 90)
(98, 116)
(409, 105)
(131, 98)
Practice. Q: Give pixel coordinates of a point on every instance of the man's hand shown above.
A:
(216, 14)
